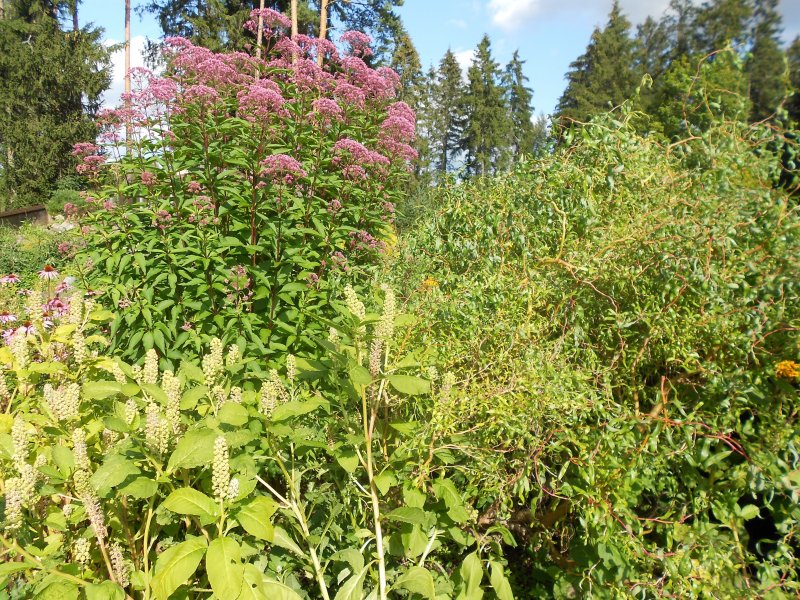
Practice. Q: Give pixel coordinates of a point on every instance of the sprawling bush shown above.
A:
(625, 326)
(249, 188)
(129, 481)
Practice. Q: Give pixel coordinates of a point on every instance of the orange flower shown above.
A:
(788, 369)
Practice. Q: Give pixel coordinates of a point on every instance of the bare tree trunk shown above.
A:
(127, 61)
(323, 27)
(294, 18)
(75, 24)
(260, 35)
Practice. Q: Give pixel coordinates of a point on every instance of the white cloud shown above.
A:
(511, 14)
(138, 42)
(465, 58)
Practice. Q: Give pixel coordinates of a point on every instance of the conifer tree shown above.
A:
(793, 58)
(405, 61)
(520, 110)
(603, 76)
(765, 65)
(485, 113)
(51, 82)
(722, 23)
(652, 56)
(448, 93)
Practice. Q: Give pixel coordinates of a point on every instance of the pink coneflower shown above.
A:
(7, 317)
(49, 273)
(25, 329)
(10, 278)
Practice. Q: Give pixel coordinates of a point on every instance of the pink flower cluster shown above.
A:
(326, 111)
(270, 20)
(354, 152)
(282, 168)
(260, 101)
(359, 43)
(363, 240)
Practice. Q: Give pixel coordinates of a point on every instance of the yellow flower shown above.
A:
(429, 283)
(788, 369)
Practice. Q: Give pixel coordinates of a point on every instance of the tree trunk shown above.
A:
(127, 61)
(323, 27)
(75, 25)
(294, 18)
(260, 35)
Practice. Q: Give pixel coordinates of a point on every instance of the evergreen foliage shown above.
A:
(520, 108)
(766, 65)
(51, 82)
(447, 108)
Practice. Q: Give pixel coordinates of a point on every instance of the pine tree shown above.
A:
(520, 110)
(765, 65)
(51, 82)
(486, 118)
(448, 93)
(604, 75)
(793, 58)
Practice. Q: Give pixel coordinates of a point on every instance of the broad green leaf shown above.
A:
(141, 488)
(55, 588)
(64, 459)
(255, 518)
(191, 397)
(192, 372)
(253, 586)
(188, 501)
(408, 384)
(471, 572)
(295, 409)
(500, 585)
(114, 470)
(348, 459)
(749, 511)
(282, 539)
(275, 590)
(417, 580)
(360, 375)
(353, 588)
(232, 414)
(224, 567)
(98, 390)
(196, 449)
(408, 514)
(108, 590)
(176, 565)
(9, 568)
(447, 492)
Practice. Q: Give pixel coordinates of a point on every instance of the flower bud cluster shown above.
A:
(91, 503)
(119, 565)
(131, 410)
(76, 305)
(64, 402)
(220, 470)
(234, 354)
(82, 551)
(157, 429)
(291, 368)
(19, 349)
(150, 370)
(5, 394)
(20, 438)
(172, 388)
(118, 373)
(79, 347)
(79, 450)
(212, 362)
(235, 395)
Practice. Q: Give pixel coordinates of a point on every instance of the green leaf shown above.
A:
(140, 488)
(176, 565)
(471, 572)
(417, 580)
(348, 459)
(253, 586)
(192, 372)
(255, 518)
(56, 588)
(196, 449)
(114, 471)
(750, 511)
(407, 384)
(282, 539)
(447, 492)
(408, 514)
(108, 590)
(295, 409)
(192, 396)
(9, 568)
(188, 501)
(232, 414)
(353, 588)
(224, 567)
(275, 590)
(359, 375)
(98, 390)
(64, 459)
(500, 585)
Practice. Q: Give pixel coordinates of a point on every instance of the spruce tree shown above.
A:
(723, 23)
(486, 118)
(520, 110)
(652, 56)
(604, 75)
(448, 94)
(51, 82)
(405, 61)
(793, 103)
(765, 65)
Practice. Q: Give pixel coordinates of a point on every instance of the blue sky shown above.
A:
(549, 34)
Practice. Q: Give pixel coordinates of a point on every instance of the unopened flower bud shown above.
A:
(81, 551)
(220, 470)
(150, 370)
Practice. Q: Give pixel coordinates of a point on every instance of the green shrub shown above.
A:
(618, 311)
(26, 250)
